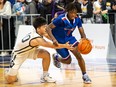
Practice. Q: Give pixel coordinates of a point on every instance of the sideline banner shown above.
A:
(98, 34)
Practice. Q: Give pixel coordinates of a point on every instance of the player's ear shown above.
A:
(37, 28)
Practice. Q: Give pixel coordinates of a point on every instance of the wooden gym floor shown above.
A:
(66, 77)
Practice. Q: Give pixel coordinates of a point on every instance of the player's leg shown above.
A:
(81, 63)
(45, 55)
(80, 59)
(11, 73)
(62, 56)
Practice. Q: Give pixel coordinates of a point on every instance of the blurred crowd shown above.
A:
(90, 11)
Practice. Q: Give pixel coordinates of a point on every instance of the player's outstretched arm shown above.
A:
(44, 43)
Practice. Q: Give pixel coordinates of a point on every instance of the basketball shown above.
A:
(84, 46)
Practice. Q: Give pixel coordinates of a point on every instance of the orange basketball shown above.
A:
(84, 46)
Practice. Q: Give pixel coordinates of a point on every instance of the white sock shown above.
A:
(45, 73)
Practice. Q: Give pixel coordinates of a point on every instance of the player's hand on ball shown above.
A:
(84, 46)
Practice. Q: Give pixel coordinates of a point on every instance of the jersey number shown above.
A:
(27, 37)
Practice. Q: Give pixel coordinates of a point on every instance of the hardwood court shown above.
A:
(29, 77)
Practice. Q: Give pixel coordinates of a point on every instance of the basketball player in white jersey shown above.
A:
(27, 47)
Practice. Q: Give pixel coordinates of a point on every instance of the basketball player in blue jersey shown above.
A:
(60, 30)
(27, 47)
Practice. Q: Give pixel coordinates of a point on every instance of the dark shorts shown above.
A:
(65, 52)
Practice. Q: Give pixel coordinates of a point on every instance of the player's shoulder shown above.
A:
(77, 18)
(37, 36)
(35, 41)
(34, 34)
(61, 16)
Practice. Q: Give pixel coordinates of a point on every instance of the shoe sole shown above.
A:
(87, 82)
(47, 82)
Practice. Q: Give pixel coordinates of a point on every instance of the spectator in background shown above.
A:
(31, 9)
(59, 5)
(98, 7)
(19, 9)
(112, 17)
(87, 11)
(78, 6)
(48, 8)
(12, 2)
(112, 12)
(40, 7)
(6, 31)
(68, 1)
(59, 9)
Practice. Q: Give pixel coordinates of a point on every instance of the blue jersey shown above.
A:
(64, 28)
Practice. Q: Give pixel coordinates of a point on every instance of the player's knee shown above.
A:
(44, 53)
(67, 61)
(10, 79)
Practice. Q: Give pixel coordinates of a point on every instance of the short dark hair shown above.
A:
(38, 22)
(70, 7)
(4, 1)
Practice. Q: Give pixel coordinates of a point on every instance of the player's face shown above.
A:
(100, 1)
(1, 1)
(72, 14)
(42, 30)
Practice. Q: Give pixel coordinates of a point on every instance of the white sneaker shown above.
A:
(86, 79)
(47, 78)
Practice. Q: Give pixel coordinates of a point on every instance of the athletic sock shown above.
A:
(45, 73)
(83, 73)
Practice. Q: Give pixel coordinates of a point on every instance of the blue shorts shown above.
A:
(64, 52)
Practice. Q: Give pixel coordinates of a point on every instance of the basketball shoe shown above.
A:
(86, 79)
(55, 61)
(47, 78)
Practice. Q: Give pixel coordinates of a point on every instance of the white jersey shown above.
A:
(84, 8)
(22, 51)
(22, 46)
(96, 6)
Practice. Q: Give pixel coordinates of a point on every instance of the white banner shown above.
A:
(99, 37)
(99, 34)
